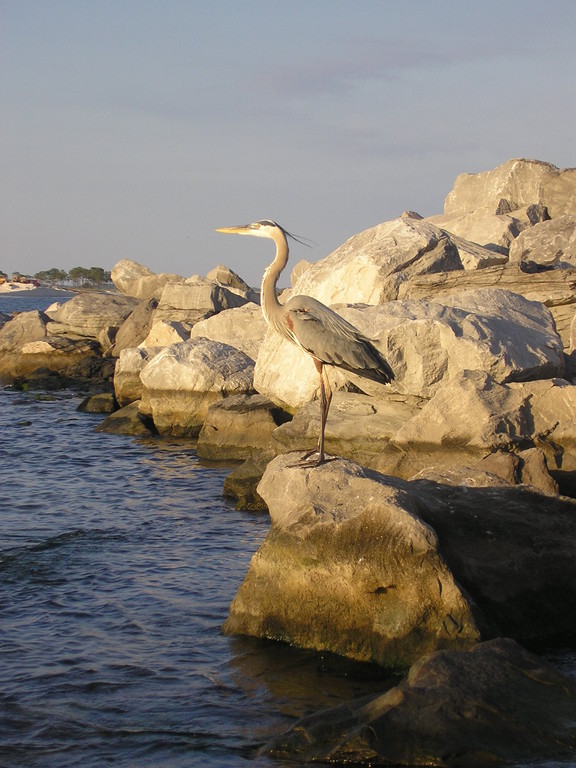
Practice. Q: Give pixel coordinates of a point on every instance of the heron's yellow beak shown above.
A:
(243, 229)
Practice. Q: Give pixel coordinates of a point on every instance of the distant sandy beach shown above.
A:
(18, 289)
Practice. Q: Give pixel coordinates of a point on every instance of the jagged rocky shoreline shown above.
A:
(450, 520)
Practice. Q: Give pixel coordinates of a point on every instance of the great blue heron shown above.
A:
(314, 327)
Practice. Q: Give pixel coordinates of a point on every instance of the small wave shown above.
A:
(45, 561)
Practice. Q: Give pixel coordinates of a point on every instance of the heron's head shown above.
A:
(264, 228)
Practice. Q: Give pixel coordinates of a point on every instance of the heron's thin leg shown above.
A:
(325, 400)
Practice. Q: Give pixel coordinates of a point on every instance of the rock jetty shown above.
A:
(448, 519)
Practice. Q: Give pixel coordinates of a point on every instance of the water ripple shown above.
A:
(118, 561)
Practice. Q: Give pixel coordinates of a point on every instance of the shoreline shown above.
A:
(40, 292)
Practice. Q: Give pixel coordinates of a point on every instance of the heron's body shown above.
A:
(311, 325)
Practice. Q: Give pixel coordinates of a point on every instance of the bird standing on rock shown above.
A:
(314, 327)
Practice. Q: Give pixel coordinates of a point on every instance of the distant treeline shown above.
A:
(78, 277)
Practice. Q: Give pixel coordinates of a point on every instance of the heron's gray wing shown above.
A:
(329, 338)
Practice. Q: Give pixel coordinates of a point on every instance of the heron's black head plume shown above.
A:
(297, 238)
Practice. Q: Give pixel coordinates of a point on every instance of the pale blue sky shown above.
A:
(133, 128)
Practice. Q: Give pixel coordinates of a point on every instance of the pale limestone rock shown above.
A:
(185, 379)
(496, 232)
(126, 271)
(497, 331)
(134, 279)
(298, 269)
(23, 328)
(358, 426)
(88, 313)
(473, 420)
(195, 299)
(468, 477)
(470, 415)
(512, 185)
(127, 383)
(56, 345)
(528, 467)
(371, 265)
(229, 279)
(473, 255)
(554, 288)
(503, 464)
(348, 567)
(166, 332)
(54, 307)
(546, 245)
(238, 426)
(135, 328)
(284, 372)
(553, 417)
(534, 471)
(241, 327)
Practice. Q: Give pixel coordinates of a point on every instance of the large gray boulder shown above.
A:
(496, 231)
(226, 277)
(183, 380)
(136, 280)
(239, 426)
(195, 299)
(241, 327)
(163, 333)
(547, 245)
(136, 327)
(348, 567)
(515, 184)
(554, 288)
(470, 417)
(380, 569)
(496, 703)
(370, 266)
(359, 427)
(21, 329)
(87, 314)
(29, 356)
(131, 362)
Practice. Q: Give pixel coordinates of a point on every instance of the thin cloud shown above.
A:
(364, 61)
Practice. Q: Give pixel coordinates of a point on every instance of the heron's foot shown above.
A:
(313, 459)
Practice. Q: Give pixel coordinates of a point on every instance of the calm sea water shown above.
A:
(118, 561)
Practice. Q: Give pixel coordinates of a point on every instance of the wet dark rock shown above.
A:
(455, 709)
(103, 402)
(127, 421)
(238, 426)
(241, 484)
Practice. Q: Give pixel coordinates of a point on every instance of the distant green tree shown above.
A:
(51, 276)
(94, 277)
(97, 276)
(78, 275)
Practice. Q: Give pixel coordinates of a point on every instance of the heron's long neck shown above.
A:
(271, 307)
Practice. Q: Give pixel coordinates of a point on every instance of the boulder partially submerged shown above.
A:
(379, 569)
(494, 704)
(184, 379)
